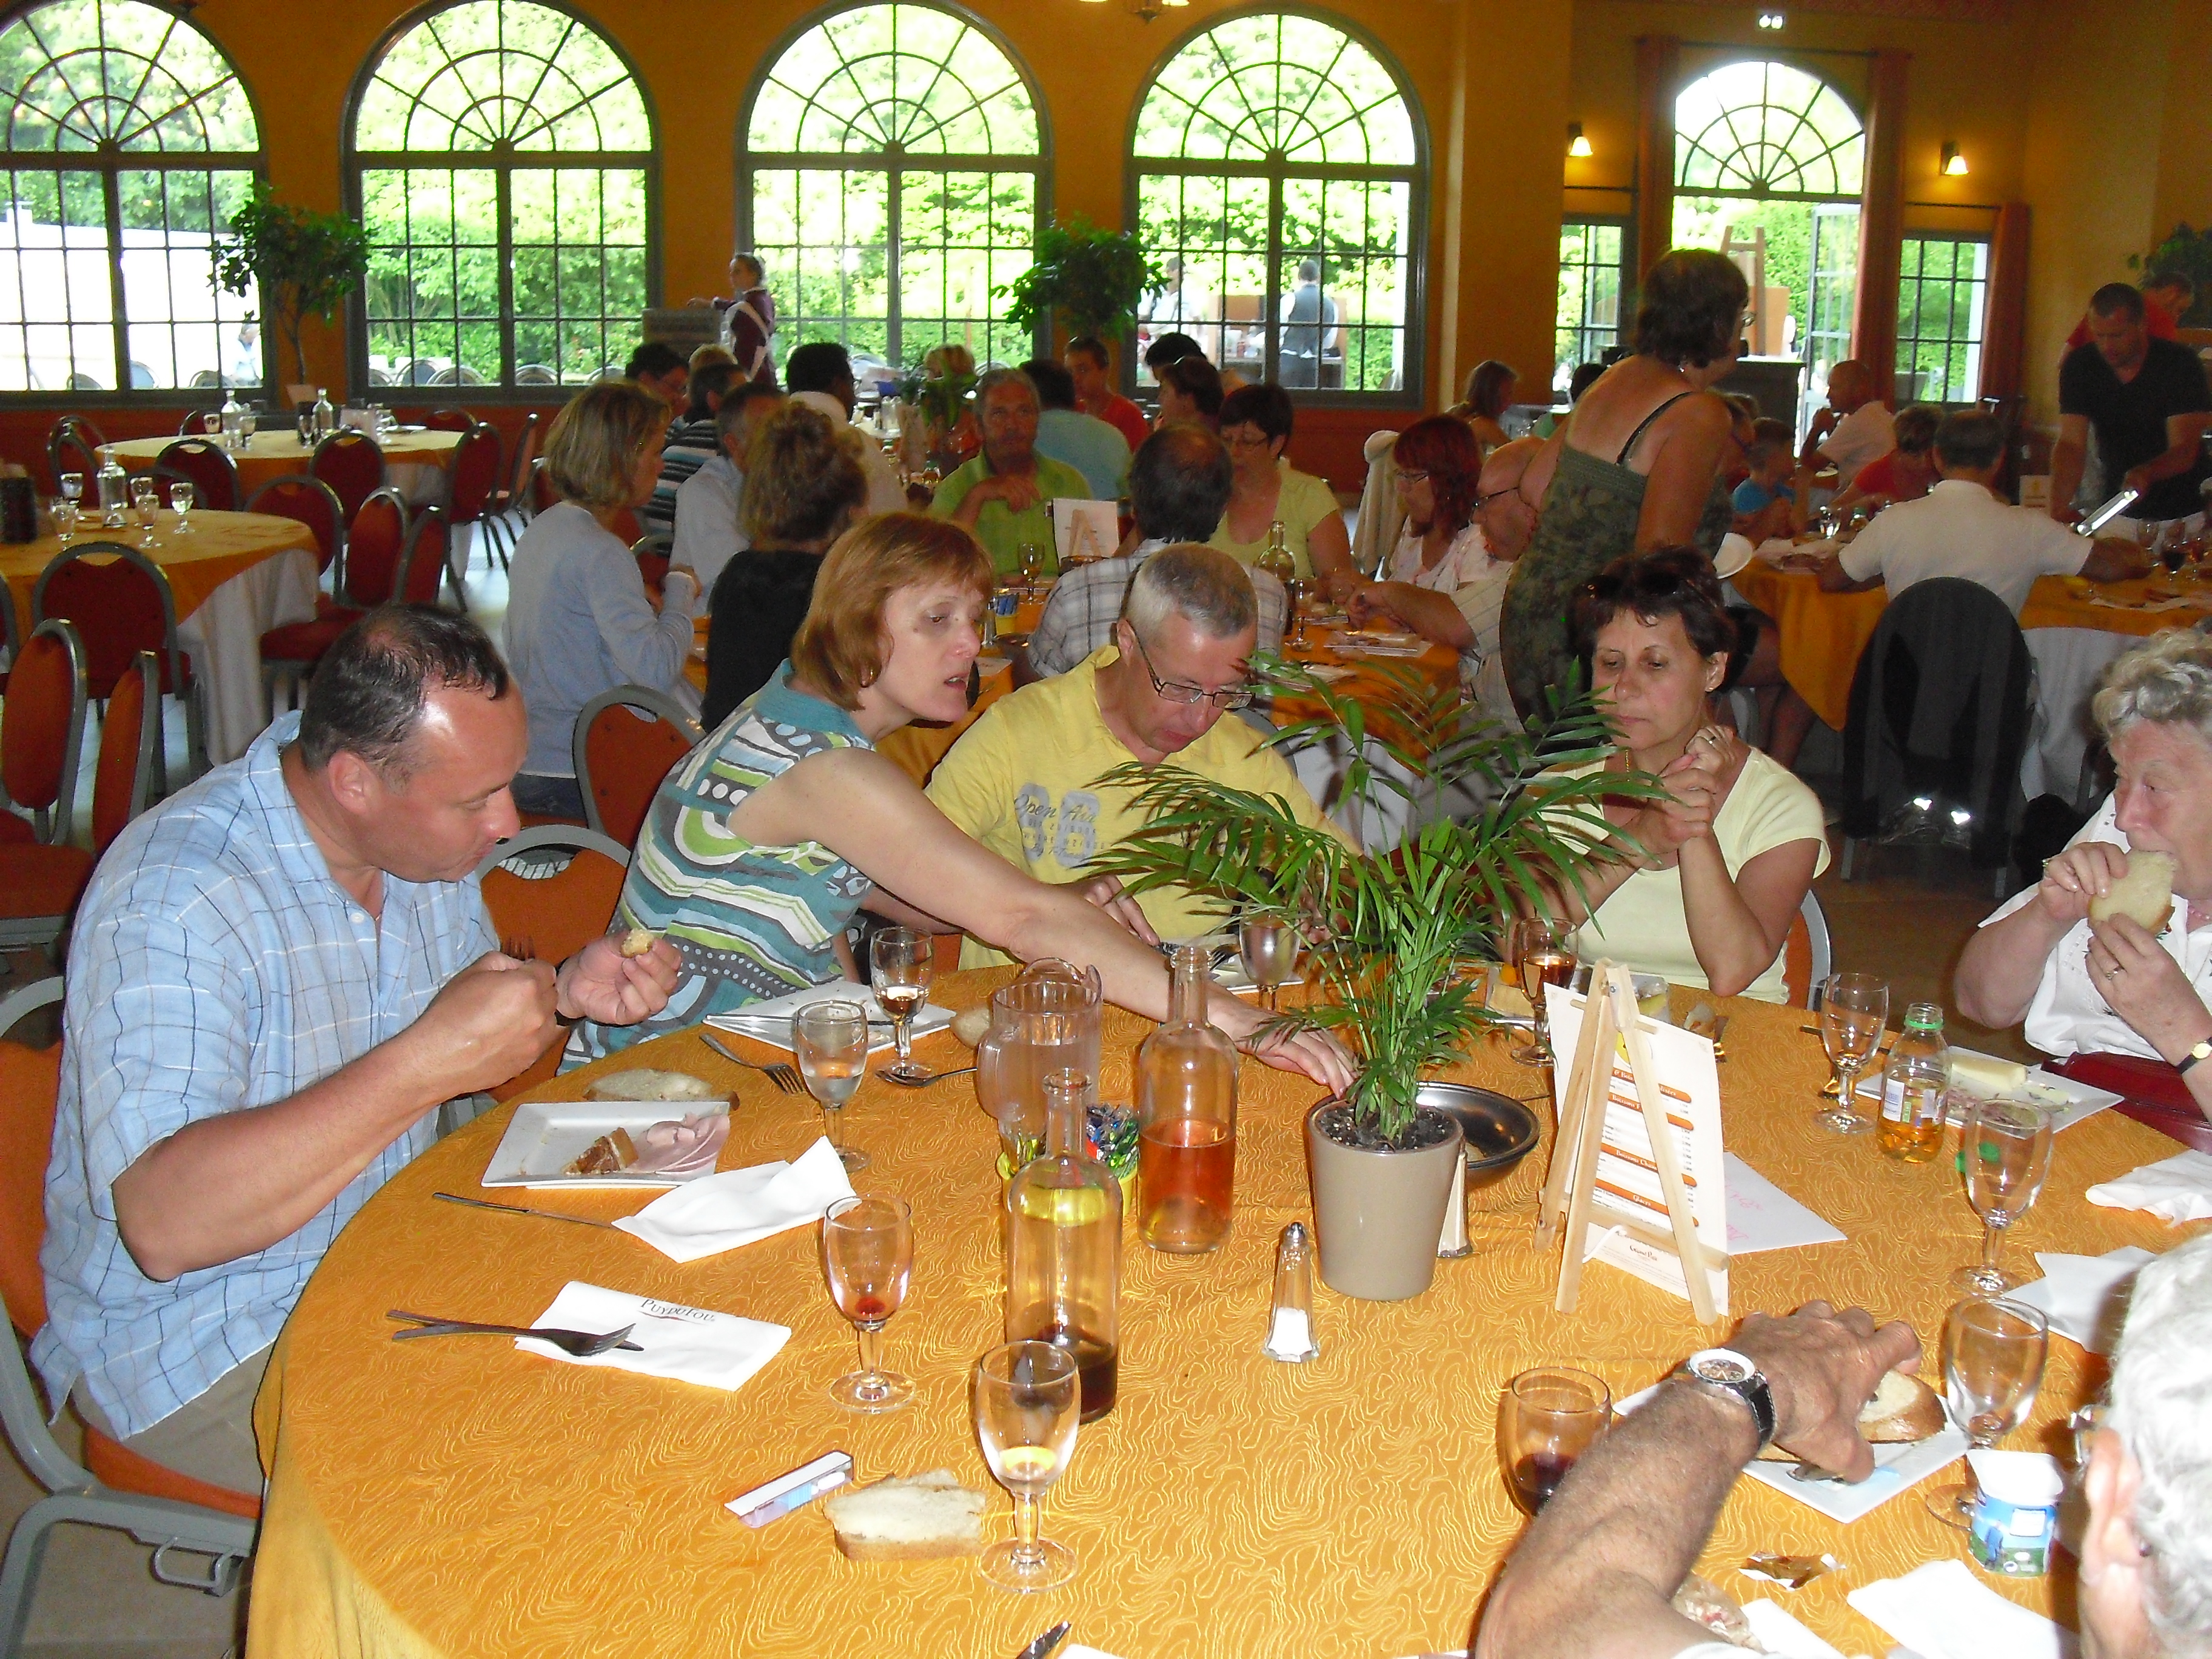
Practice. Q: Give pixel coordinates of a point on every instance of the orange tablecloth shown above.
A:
(465, 1498)
(220, 545)
(2052, 605)
(275, 453)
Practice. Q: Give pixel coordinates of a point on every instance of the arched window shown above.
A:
(1278, 173)
(499, 155)
(129, 143)
(891, 176)
(1768, 162)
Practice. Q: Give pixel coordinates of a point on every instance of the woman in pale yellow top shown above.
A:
(1730, 853)
(1255, 427)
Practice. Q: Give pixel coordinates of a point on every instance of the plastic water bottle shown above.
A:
(1913, 1085)
(114, 490)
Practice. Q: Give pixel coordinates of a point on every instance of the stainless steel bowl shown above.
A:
(1499, 1130)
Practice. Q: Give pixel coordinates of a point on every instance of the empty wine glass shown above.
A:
(1854, 1008)
(1028, 1399)
(146, 503)
(831, 1042)
(867, 1253)
(1546, 1419)
(1541, 954)
(180, 503)
(900, 963)
(1993, 1357)
(1032, 561)
(2005, 1148)
(1270, 949)
(65, 519)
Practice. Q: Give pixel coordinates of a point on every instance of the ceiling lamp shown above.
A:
(1144, 10)
(1578, 146)
(1772, 19)
(1955, 164)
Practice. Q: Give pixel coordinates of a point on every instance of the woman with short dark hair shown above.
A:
(1489, 388)
(1266, 489)
(1729, 854)
(1635, 466)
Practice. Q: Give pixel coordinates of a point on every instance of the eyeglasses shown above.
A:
(1256, 441)
(1411, 475)
(1485, 500)
(1228, 697)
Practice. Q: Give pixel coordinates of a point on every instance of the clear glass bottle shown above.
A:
(1064, 1248)
(1185, 1120)
(114, 490)
(1912, 1083)
(1276, 558)
(327, 418)
(234, 421)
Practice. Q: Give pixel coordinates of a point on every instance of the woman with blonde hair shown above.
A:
(762, 843)
(803, 486)
(578, 620)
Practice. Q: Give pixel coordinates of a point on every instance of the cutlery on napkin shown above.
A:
(720, 1213)
(2085, 1296)
(685, 1345)
(2178, 1188)
(1942, 1611)
(769, 1022)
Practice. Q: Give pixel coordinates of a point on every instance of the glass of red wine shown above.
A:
(1541, 951)
(867, 1254)
(1546, 1419)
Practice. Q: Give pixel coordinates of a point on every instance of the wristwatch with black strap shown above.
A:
(2201, 1051)
(1724, 1371)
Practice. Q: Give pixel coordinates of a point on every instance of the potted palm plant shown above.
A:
(1392, 929)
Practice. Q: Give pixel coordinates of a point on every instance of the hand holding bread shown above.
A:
(1825, 1368)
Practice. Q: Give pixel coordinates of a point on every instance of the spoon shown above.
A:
(889, 1076)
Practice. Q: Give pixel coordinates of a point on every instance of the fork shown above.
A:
(780, 1074)
(582, 1344)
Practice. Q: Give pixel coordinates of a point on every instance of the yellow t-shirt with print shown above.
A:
(1023, 781)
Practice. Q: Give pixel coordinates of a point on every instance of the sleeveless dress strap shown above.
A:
(1644, 426)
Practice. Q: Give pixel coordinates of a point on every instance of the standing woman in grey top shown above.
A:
(578, 620)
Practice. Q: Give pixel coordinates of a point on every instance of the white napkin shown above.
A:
(769, 1022)
(1779, 1632)
(1942, 1611)
(2177, 1189)
(2085, 1296)
(720, 1213)
(686, 1345)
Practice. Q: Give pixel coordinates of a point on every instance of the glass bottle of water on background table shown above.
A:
(114, 490)
(1913, 1085)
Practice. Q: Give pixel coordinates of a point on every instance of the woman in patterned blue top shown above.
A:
(765, 839)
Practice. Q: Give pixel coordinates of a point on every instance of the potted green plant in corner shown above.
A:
(1390, 930)
(1089, 279)
(301, 261)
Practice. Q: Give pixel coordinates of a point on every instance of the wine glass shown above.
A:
(2006, 1151)
(180, 503)
(867, 1253)
(1032, 560)
(65, 519)
(1854, 1008)
(1546, 1419)
(1542, 955)
(1270, 949)
(900, 961)
(146, 503)
(73, 488)
(1028, 1399)
(1993, 1357)
(831, 1042)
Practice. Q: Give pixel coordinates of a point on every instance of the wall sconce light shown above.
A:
(1578, 146)
(1145, 10)
(1955, 164)
(1772, 19)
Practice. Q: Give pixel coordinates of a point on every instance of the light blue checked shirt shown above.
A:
(215, 966)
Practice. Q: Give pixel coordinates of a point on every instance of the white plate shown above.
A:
(2070, 1102)
(769, 1022)
(1381, 645)
(544, 1137)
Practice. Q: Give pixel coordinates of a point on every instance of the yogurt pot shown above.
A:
(2015, 1519)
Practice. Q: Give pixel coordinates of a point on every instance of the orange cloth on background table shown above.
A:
(2050, 604)
(276, 451)
(220, 545)
(462, 1497)
(1822, 634)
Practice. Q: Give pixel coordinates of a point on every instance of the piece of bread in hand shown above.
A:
(1903, 1408)
(645, 1083)
(913, 1517)
(2144, 895)
(637, 941)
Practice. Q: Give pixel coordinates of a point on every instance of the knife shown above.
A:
(1046, 1643)
(518, 1209)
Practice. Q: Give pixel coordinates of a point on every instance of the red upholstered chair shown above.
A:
(426, 561)
(376, 536)
(449, 420)
(550, 914)
(511, 509)
(70, 449)
(114, 1486)
(11, 632)
(308, 500)
(41, 737)
(209, 467)
(200, 423)
(652, 553)
(129, 734)
(368, 570)
(121, 605)
(472, 482)
(350, 463)
(625, 742)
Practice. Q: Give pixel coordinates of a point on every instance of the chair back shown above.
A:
(652, 553)
(30, 1083)
(449, 420)
(209, 467)
(376, 538)
(200, 423)
(11, 630)
(423, 566)
(474, 475)
(626, 742)
(625, 527)
(306, 500)
(1806, 953)
(68, 450)
(539, 491)
(525, 458)
(121, 607)
(42, 726)
(352, 465)
(123, 770)
(551, 913)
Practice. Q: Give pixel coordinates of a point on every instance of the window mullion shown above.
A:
(111, 186)
(505, 175)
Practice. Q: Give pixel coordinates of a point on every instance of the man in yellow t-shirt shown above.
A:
(1024, 779)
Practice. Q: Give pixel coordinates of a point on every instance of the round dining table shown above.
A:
(464, 1497)
(416, 460)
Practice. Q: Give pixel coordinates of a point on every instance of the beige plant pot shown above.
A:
(1376, 1214)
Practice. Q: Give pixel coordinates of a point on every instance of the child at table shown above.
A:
(1768, 503)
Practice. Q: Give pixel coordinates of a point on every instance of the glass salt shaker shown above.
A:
(1290, 1327)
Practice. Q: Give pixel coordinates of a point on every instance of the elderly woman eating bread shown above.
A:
(2112, 952)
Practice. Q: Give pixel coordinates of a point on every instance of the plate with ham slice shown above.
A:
(605, 1144)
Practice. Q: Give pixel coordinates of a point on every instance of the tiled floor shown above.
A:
(97, 1601)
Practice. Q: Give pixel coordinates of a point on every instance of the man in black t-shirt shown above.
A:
(2146, 399)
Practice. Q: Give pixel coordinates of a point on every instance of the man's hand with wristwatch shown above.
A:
(1811, 1372)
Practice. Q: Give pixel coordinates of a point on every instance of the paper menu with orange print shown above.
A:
(1627, 1182)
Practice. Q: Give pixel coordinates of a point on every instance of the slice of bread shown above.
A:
(2144, 895)
(644, 1083)
(1904, 1409)
(913, 1518)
